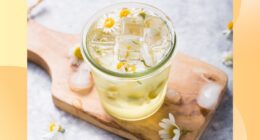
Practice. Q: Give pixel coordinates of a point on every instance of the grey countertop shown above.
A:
(199, 25)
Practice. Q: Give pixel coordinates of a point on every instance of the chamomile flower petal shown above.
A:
(162, 132)
(163, 125)
(164, 120)
(177, 133)
(50, 136)
(172, 119)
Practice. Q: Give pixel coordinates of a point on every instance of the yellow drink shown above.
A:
(132, 99)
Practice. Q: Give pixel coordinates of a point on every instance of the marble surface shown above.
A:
(199, 25)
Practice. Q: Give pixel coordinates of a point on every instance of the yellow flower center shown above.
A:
(109, 23)
(51, 127)
(230, 25)
(124, 12)
(171, 131)
(77, 53)
(120, 65)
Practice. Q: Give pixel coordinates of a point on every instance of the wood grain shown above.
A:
(49, 49)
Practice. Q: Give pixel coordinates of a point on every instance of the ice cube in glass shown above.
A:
(155, 31)
(147, 55)
(97, 36)
(132, 26)
(101, 45)
(128, 47)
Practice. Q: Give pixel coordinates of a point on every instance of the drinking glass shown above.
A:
(131, 96)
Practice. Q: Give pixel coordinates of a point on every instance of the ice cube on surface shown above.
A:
(132, 26)
(155, 31)
(128, 47)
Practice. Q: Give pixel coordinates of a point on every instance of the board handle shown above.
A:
(47, 47)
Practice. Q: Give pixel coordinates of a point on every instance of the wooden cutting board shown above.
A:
(188, 76)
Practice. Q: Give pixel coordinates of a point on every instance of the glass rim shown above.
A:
(140, 74)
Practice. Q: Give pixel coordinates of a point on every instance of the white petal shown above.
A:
(75, 61)
(49, 136)
(163, 125)
(166, 136)
(171, 117)
(228, 33)
(71, 51)
(177, 134)
(168, 121)
(163, 132)
(165, 120)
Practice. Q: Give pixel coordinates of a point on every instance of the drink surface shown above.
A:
(128, 40)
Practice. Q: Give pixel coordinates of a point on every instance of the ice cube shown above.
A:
(159, 52)
(152, 55)
(156, 31)
(102, 53)
(97, 36)
(147, 55)
(101, 45)
(102, 49)
(132, 26)
(128, 47)
(140, 66)
(105, 59)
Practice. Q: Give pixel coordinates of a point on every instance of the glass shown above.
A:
(137, 95)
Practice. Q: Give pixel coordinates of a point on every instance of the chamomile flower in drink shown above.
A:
(129, 47)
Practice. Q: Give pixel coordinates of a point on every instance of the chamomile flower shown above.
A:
(229, 31)
(228, 58)
(55, 132)
(109, 23)
(140, 12)
(170, 129)
(75, 55)
(125, 67)
(125, 12)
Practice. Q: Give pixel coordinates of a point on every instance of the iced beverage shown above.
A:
(129, 47)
